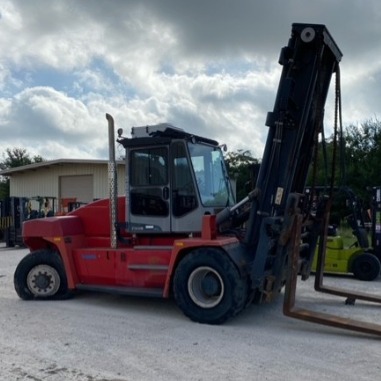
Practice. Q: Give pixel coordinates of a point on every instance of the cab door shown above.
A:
(149, 201)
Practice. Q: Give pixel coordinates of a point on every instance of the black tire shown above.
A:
(208, 287)
(366, 267)
(10, 243)
(41, 275)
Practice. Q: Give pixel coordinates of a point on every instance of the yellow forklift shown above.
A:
(358, 257)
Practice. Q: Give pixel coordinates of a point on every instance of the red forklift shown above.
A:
(178, 231)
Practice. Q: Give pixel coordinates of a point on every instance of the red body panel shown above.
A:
(95, 218)
(52, 226)
(143, 262)
(129, 267)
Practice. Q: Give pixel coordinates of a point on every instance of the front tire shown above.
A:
(41, 275)
(366, 267)
(208, 287)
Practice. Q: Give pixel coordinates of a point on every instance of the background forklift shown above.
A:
(357, 258)
(361, 257)
(375, 216)
(13, 214)
(16, 210)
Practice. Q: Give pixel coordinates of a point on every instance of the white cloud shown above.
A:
(207, 66)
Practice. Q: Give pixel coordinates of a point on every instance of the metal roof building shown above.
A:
(82, 180)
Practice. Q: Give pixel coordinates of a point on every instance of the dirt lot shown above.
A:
(96, 337)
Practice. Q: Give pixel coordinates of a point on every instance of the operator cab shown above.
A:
(173, 178)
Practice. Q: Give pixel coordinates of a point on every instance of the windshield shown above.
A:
(211, 175)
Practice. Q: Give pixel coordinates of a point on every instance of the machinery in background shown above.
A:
(359, 257)
(375, 215)
(16, 210)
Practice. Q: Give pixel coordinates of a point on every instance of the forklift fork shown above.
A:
(289, 308)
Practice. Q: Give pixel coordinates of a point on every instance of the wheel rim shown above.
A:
(206, 287)
(43, 280)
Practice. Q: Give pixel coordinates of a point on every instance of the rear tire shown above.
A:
(41, 275)
(366, 267)
(208, 287)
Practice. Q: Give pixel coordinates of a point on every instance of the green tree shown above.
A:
(17, 157)
(12, 158)
(241, 167)
(363, 156)
(320, 171)
(358, 161)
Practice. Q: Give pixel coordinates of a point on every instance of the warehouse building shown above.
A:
(64, 179)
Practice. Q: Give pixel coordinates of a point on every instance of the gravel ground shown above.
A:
(97, 337)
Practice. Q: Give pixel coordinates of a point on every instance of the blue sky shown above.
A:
(209, 67)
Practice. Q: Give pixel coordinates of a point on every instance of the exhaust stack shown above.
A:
(113, 183)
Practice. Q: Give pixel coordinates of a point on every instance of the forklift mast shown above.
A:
(309, 61)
